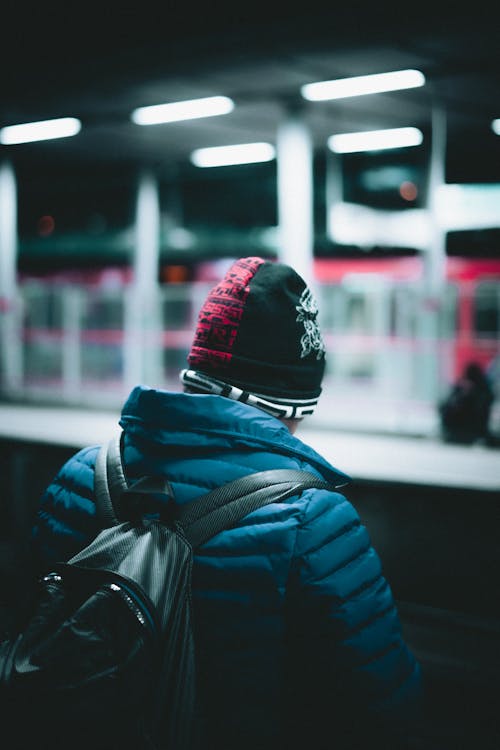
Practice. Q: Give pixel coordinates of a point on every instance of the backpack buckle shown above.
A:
(150, 494)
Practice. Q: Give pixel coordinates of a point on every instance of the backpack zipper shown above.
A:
(137, 608)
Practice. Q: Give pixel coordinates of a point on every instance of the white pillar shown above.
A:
(435, 258)
(334, 189)
(434, 267)
(295, 196)
(142, 320)
(147, 234)
(10, 306)
(72, 299)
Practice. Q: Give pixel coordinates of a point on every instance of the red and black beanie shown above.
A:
(258, 340)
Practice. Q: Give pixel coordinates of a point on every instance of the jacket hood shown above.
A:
(205, 423)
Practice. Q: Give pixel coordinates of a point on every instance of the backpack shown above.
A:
(107, 658)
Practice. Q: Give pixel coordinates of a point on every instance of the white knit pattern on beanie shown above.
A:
(284, 408)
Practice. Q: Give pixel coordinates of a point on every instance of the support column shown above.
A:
(434, 258)
(143, 352)
(72, 306)
(334, 188)
(10, 304)
(295, 196)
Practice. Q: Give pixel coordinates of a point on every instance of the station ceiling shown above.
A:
(99, 64)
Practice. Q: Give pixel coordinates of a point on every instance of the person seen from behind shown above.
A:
(466, 410)
(298, 639)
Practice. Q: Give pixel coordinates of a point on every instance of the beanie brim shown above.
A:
(283, 408)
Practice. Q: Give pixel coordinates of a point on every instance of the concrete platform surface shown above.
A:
(362, 455)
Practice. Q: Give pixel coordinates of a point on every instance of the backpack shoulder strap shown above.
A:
(109, 480)
(117, 500)
(223, 507)
(207, 515)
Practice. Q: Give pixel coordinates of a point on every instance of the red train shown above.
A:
(364, 289)
(467, 310)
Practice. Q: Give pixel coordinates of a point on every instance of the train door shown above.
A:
(180, 303)
(403, 355)
(355, 321)
(42, 336)
(423, 332)
(475, 336)
(486, 322)
(100, 312)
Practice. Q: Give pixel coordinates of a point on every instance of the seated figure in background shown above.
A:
(465, 412)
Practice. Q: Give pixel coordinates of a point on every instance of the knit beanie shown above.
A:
(258, 340)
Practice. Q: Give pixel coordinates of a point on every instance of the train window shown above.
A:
(360, 318)
(448, 313)
(177, 307)
(330, 303)
(43, 333)
(42, 306)
(403, 307)
(487, 310)
(103, 311)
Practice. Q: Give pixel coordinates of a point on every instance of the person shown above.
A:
(465, 412)
(298, 639)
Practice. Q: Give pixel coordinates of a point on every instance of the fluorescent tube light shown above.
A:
(242, 153)
(44, 130)
(495, 126)
(375, 140)
(360, 85)
(186, 110)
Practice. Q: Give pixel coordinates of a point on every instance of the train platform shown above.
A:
(370, 456)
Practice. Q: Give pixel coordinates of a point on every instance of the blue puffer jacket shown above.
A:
(298, 639)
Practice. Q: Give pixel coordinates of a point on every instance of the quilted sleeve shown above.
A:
(351, 664)
(66, 517)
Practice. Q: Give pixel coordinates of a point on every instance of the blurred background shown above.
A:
(111, 233)
(144, 148)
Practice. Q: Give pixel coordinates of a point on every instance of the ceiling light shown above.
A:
(186, 110)
(495, 126)
(243, 153)
(43, 130)
(375, 140)
(360, 85)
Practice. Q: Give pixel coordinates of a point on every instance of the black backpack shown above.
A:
(107, 658)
